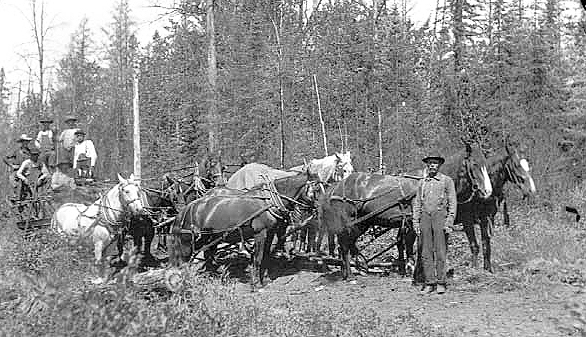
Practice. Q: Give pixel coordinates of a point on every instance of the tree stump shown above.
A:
(170, 279)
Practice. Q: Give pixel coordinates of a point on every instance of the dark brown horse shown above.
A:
(171, 193)
(235, 218)
(158, 205)
(505, 166)
(362, 194)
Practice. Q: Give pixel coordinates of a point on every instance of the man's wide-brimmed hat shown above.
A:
(437, 157)
(70, 118)
(24, 138)
(79, 132)
(34, 150)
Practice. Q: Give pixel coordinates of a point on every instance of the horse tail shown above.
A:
(184, 233)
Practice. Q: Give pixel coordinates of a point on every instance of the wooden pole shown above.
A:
(136, 128)
(380, 142)
(321, 117)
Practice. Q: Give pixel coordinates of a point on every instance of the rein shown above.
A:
(512, 177)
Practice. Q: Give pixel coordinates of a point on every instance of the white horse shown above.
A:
(331, 168)
(100, 219)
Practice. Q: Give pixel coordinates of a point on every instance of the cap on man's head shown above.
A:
(436, 158)
(24, 138)
(79, 132)
(70, 118)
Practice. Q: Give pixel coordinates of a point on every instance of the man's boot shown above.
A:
(441, 288)
(427, 289)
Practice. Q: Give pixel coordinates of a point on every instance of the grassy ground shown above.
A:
(44, 291)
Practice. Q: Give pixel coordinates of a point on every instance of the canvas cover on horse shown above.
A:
(251, 175)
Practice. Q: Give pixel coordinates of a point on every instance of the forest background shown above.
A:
(248, 79)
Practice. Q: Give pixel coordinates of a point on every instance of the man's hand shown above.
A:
(448, 229)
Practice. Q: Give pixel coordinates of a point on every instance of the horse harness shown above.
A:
(360, 203)
(275, 206)
(115, 228)
(474, 187)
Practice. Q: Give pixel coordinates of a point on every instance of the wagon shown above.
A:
(32, 213)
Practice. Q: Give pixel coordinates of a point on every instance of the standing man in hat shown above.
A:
(434, 211)
(14, 159)
(66, 145)
(84, 155)
(45, 142)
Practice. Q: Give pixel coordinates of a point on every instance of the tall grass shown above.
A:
(43, 293)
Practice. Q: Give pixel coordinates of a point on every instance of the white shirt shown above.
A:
(87, 148)
(48, 133)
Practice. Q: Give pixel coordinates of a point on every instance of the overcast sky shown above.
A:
(16, 40)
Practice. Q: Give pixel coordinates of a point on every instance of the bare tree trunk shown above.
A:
(380, 141)
(280, 74)
(39, 32)
(212, 117)
(321, 118)
(136, 127)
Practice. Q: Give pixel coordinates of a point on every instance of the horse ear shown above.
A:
(120, 179)
(169, 180)
(508, 144)
(131, 178)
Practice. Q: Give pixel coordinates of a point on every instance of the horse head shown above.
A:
(343, 166)
(129, 195)
(517, 170)
(212, 171)
(475, 169)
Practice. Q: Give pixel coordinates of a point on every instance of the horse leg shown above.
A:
(260, 239)
(506, 218)
(265, 262)
(320, 239)
(280, 231)
(312, 229)
(471, 235)
(148, 240)
(401, 250)
(485, 227)
(344, 248)
(209, 256)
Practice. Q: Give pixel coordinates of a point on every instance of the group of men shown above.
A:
(31, 165)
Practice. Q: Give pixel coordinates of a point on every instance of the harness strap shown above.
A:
(227, 232)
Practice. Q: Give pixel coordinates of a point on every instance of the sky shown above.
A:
(16, 41)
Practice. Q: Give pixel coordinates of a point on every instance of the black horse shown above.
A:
(505, 166)
(159, 206)
(236, 218)
(162, 202)
(362, 194)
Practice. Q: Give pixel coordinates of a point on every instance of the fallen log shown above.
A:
(170, 279)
